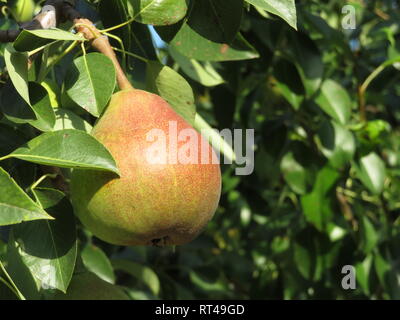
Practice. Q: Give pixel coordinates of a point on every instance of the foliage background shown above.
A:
(325, 190)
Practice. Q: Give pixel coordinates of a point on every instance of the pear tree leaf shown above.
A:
(372, 172)
(49, 248)
(335, 101)
(211, 32)
(171, 86)
(337, 143)
(286, 9)
(67, 119)
(140, 272)
(17, 67)
(91, 81)
(15, 205)
(194, 46)
(67, 149)
(29, 40)
(38, 112)
(158, 12)
(96, 261)
(318, 204)
(203, 73)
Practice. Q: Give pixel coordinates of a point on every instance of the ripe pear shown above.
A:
(88, 286)
(151, 202)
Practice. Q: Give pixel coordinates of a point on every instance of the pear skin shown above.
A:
(153, 202)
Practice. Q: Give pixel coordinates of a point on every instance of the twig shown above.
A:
(101, 44)
(58, 181)
(3, 269)
(132, 55)
(9, 286)
(40, 180)
(346, 209)
(364, 86)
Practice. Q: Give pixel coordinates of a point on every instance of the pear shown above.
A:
(158, 199)
(88, 286)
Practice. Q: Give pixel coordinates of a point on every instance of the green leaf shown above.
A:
(171, 86)
(37, 113)
(41, 105)
(376, 129)
(211, 32)
(90, 82)
(337, 143)
(201, 281)
(35, 107)
(289, 83)
(158, 12)
(298, 168)
(20, 273)
(388, 274)
(308, 61)
(67, 119)
(68, 149)
(29, 40)
(335, 232)
(140, 272)
(214, 138)
(216, 20)
(304, 255)
(286, 9)
(167, 33)
(295, 174)
(49, 248)
(335, 101)
(96, 261)
(88, 286)
(53, 90)
(370, 237)
(135, 36)
(318, 205)
(194, 46)
(17, 67)
(15, 204)
(371, 171)
(363, 271)
(320, 27)
(203, 73)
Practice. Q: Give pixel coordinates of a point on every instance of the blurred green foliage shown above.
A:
(325, 191)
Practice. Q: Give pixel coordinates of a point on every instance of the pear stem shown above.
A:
(101, 44)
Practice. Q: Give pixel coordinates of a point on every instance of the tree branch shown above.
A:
(101, 44)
